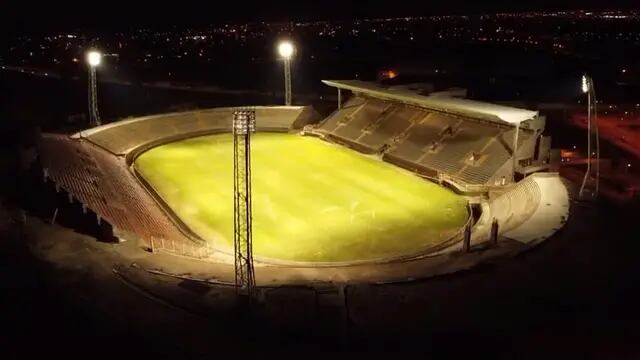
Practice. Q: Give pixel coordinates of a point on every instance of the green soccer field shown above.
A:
(312, 201)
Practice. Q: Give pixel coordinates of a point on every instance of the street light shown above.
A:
(286, 51)
(94, 58)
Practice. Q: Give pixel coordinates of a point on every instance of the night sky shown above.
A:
(26, 16)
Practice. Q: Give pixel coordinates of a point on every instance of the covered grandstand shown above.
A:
(470, 144)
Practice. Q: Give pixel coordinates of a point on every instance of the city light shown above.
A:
(286, 49)
(585, 84)
(94, 58)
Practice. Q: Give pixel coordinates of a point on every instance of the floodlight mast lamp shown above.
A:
(286, 51)
(592, 114)
(243, 125)
(93, 59)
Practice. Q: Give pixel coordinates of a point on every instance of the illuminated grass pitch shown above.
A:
(312, 201)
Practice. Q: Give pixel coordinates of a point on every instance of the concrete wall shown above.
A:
(125, 136)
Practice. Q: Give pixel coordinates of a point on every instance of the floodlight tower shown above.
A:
(286, 50)
(592, 113)
(244, 123)
(93, 59)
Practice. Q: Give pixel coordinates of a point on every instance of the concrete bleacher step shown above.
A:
(391, 124)
(365, 115)
(516, 205)
(103, 183)
(378, 123)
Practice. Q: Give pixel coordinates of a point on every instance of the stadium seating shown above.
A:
(468, 150)
(426, 136)
(515, 206)
(355, 120)
(457, 147)
(92, 166)
(498, 151)
(279, 118)
(465, 138)
(122, 137)
(391, 126)
(340, 116)
(103, 183)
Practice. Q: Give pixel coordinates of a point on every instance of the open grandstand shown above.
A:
(94, 167)
(484, 152)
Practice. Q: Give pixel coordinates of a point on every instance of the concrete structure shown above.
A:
(471, 145)
(461, 147)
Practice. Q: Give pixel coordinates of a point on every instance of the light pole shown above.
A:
(286, 50)
(93, 59)
(244, 124)
(588, 88)
(594, 106)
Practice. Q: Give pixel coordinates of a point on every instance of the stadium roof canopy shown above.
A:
(464, 107)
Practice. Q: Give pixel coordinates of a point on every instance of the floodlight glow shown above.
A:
(585, 84)
(244, 121)
(286, 49)
(94, 58)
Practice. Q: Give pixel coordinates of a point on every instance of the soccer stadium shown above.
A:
(388, 187)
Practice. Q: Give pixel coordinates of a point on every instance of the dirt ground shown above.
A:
(574, 296)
